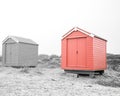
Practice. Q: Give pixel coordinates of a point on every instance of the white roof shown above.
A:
(83, 31)
(20, 40)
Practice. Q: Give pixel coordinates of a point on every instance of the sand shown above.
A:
(50, 82)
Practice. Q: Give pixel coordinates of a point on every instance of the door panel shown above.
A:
(8, 53)
(14, 55)
(71, 53)
(76, 54)
(81, 56)
(11, 54)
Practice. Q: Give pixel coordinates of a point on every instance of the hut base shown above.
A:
(85, 72)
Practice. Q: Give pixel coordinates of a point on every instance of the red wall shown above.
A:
(99, 53)
(90, 53)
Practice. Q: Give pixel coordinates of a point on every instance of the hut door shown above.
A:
(76, 52)
(11, 53)
(81, 54)
(71, 53)
(8, 53)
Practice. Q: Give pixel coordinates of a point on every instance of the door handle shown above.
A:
(77, 52)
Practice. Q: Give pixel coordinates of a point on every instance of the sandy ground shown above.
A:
(50, 82)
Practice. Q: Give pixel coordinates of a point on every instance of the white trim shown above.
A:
(75, 29)
(14, 39)
(8, 37)
(92, 35)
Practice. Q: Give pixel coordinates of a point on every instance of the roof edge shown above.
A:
(100, 38)
(8, 37)
(83, 31)
(17, 40)
(29, 43)
(77, 29)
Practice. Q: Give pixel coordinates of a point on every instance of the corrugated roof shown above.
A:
(20, 39)
(83, 31)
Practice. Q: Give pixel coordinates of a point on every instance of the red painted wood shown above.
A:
(83, 52)
(71, 52)
(81, 55)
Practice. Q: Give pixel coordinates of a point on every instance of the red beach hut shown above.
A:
(83, 52)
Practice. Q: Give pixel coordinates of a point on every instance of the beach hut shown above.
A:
(18, 51)
(83, 52)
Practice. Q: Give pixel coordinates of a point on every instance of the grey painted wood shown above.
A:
(17, 53)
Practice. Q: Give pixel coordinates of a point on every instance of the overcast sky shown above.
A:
(45, 21)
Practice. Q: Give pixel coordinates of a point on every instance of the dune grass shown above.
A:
(52, 61)
(112, 76)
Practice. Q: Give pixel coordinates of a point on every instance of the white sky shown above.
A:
(45, 21)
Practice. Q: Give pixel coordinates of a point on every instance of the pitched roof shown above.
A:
(83, 31)
(20, 40)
